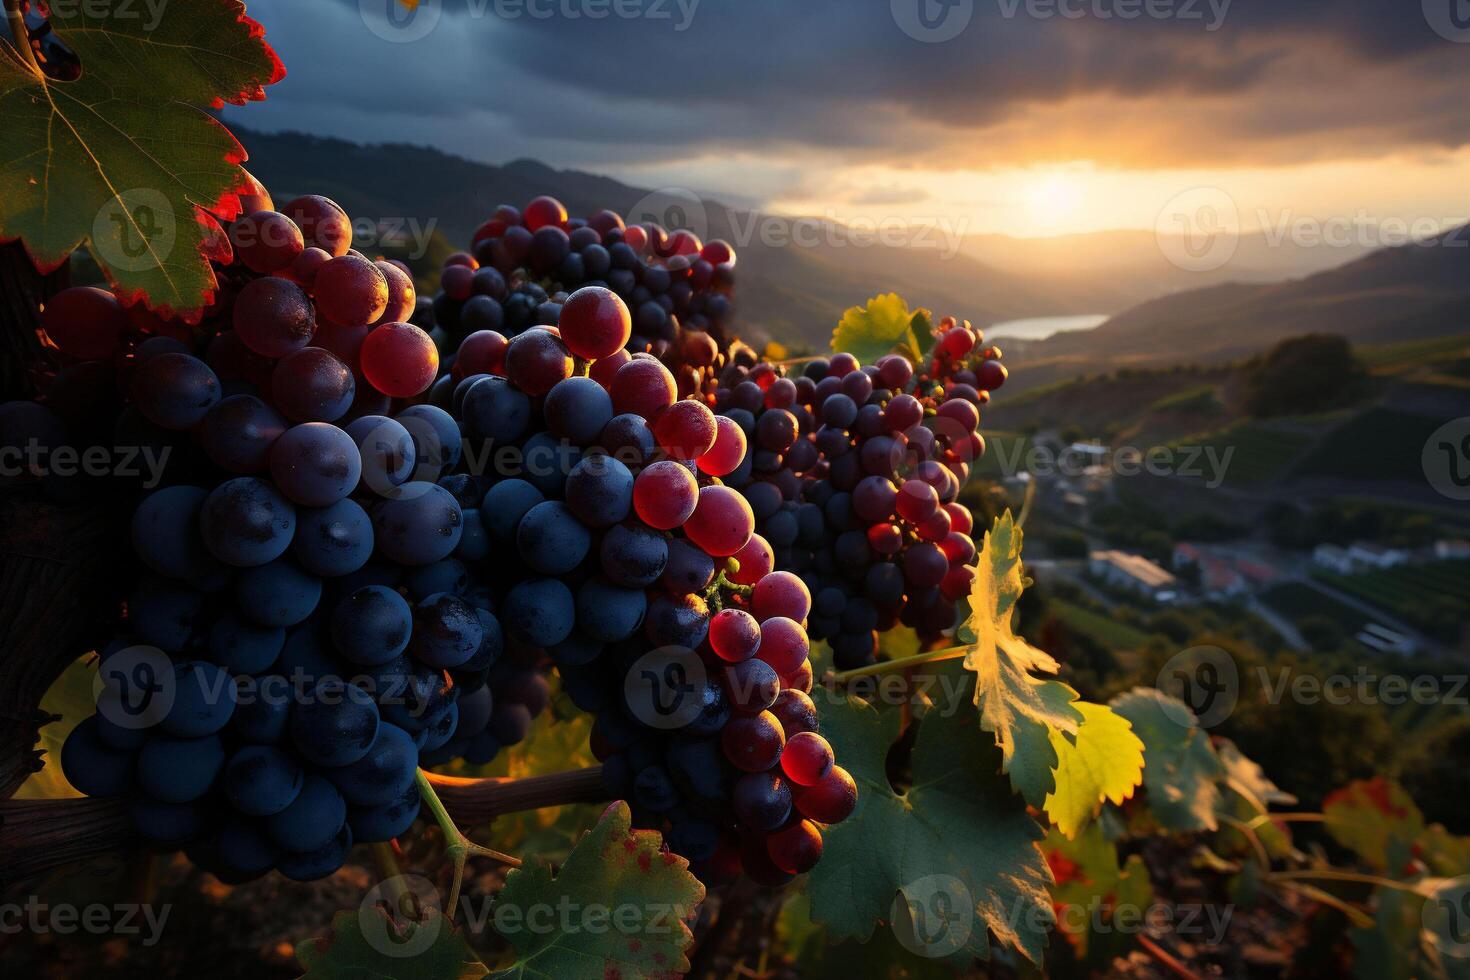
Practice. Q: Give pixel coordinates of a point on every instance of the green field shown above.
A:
(1200, 398)
(1410, 352)
(1431, 597)
(1116, 635)
(1381, 443)
(1297, 601)
(1261, 452)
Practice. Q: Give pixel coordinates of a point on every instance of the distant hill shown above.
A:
(1394, 294)
(789, 293)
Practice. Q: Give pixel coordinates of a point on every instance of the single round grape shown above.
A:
(677, 621)
(935, 527)
(551, 540)
(831, 799)
(722, 521)
(85, 322)
(333, 541)
(175, 391)
(334, 723)
(665, 495)
(577, 409)
(687, 430)
(277, 593)
(371, 824)
(734, 634)
(91, 765)
(536, 360)
(595, 322)
(372, 626)
(924, 565)
(753, 743)
(539, 612)
(399, 360)
(402, 298)
(312, 819)
(166, 536)
(874, 498)
(807, 758)
(751, 685)
(323, 223)
(165, 613)
(204, 699)
(783, 645)
(599, 491)
(795, 711)
(756, 560)
(246, 522)
(727, 451)
(266, 241)
(179, 770)
(311, 385)
(384, 774)
(420, 527)
(496, 409)
(781, 594)
(762, 800)
(274, 316)
(505, 504)
(315, 464)
(261, 779)
(795, 849)
(446, 631)
(238, 433)
(643, 387)
(609, 613)
(688, 569)
(990, 375)
(350, 290)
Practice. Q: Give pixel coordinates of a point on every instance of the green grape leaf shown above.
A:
(1019, 708)
(1376, 819)
(953, 858)
(1181, 771)
(1092, 889)
(1103, 761)
(921, 324)
(125, 157)
(617, 907)
(363, 946)
(883, 326)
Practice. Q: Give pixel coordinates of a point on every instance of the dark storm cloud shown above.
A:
(841, 74)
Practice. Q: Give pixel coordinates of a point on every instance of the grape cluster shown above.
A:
(855, 480)
(304, 628)
(524, 263)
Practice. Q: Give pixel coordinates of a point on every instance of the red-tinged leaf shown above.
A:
(124, 157)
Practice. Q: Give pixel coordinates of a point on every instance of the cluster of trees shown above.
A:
(1300, 375)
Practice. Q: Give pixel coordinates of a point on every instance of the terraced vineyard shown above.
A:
(1422, 595)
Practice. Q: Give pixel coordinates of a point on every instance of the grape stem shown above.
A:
(714, 595)
(458, 846)
(902, 663)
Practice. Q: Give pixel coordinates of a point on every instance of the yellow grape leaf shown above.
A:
(1103, 761)
(1021, 709)
(884, 326)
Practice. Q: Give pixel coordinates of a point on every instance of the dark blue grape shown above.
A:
(436, 439)
(372, 625)
(313, 818)
(333, 541)
(577, 409)
(609, 612)
(551, 539)
(386, 451)
(179, 770)
(278, 593)
(311, 865)
(599, 491)
(497, 410)
(334, 724)
(689, 568)
(633, 555)
(446, 631)
(505, 504)
(165, 614)
(91, 765)
(243, 647)
(539, 612)
(371, 824)
(264, 708)
(203, 700)
(166, 537)
(449, 575)
(762, 800)
(679, 621)
(174, 390)
(247, 522)
(420, 527)
(384, 774)
(474, 543)
(262, 779)
(654, 791)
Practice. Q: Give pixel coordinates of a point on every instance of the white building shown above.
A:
(1133, 572)
(1333, 558)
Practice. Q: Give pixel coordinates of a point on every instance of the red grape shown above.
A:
(350, 290)
(322, 221)
(482, 352)
(266, 241)
(399, 360)
(536, 360)
(796, 849)
(310, 385)
(734, 635)
(756, 561)
(605, 368)
(545, 211)
(643, 387)
(687, 430)
(722, 521)
(85, 322)
(595, 322)
(781, 594)
(401, 295)
(753, 743)
(807, 758)
(784, 645)
(728, 451)
(831, 800)
(916, 501)
(795, 711)
(717, 252)
(665, 494)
